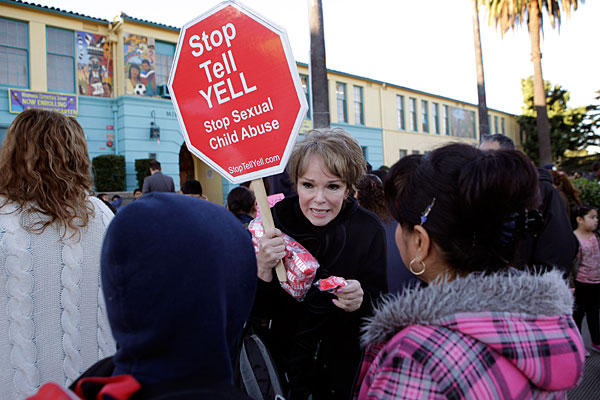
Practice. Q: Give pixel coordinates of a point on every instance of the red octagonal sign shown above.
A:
(237, 93)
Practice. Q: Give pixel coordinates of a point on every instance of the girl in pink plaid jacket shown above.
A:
(484, 328)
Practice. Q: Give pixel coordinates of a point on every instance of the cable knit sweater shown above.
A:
(53, 323)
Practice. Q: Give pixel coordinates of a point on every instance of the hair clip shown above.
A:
(426, 212)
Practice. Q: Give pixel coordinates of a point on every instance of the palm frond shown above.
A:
(506, 14)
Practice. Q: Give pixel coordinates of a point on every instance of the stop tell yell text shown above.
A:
(233, 86)
(230, 85)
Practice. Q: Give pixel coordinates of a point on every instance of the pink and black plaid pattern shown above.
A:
(476, 356)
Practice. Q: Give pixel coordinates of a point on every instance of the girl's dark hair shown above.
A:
(134, 66)
(240, 200)
(477, 195)
(580, 211)
(191, 186)
(371, 197)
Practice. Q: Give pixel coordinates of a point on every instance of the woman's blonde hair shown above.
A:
(46, 169)
(341, 154)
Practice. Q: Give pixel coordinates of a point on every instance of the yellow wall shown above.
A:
(393, 141)
(370, 100)
(210, 180)
(379, 104)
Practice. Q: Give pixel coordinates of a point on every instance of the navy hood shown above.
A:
(179, 279)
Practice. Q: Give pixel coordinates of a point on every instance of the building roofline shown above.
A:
(403, 88)
(129, 18)
(54, 10)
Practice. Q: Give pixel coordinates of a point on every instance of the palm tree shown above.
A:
(505, 14)
(318, 68)
(484, 128)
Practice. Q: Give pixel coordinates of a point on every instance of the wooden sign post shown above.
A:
(258, 186)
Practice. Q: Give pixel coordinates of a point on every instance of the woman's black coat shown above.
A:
(316, 344)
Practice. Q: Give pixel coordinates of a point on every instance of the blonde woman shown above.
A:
(53, 324)
(315, 342)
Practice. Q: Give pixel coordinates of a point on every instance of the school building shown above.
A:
(112, 76)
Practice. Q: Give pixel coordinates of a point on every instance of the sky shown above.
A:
(425, 45)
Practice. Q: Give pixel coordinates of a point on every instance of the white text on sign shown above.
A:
(234, 85)
(249, 131)
(237, 115)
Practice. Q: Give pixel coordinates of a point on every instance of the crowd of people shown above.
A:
(455, 273)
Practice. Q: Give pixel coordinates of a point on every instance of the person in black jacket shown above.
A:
(315, 342)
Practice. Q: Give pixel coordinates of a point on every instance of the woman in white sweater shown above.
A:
(53, 323)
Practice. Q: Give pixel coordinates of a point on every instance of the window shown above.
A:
(415, 151)
(462, 122)
(342, 111)
(13, 53)
(425, 115)
(163, 61)
(503, 127)
(490, 124)
(436, 118)
(60, 45)
(446, 121)
(306, 88)
(400, 111)
(496, 124)
(152, 156)
(413, 113)
(403, 153)
(359, 115)
(364, 151)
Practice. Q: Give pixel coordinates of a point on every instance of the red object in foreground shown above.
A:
(237, 92)
(330, 284)
(119, 387)
(53, 391)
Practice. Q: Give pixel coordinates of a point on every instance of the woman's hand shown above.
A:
(271, 249)
(349, 297)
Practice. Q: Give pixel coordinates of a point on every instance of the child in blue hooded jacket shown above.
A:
(179, 277)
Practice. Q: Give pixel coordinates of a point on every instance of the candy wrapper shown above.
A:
(330, 284)
(300, 265)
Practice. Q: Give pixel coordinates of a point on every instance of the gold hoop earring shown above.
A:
(410, 267)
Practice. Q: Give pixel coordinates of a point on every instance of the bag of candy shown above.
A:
(300, 266)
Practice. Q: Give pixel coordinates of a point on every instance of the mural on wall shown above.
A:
(94, 65)
(140, 78)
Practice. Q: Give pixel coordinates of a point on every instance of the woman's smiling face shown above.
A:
(320, 192)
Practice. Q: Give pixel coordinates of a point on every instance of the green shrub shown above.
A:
(590, 192)
(109, 173)
(142, 170)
